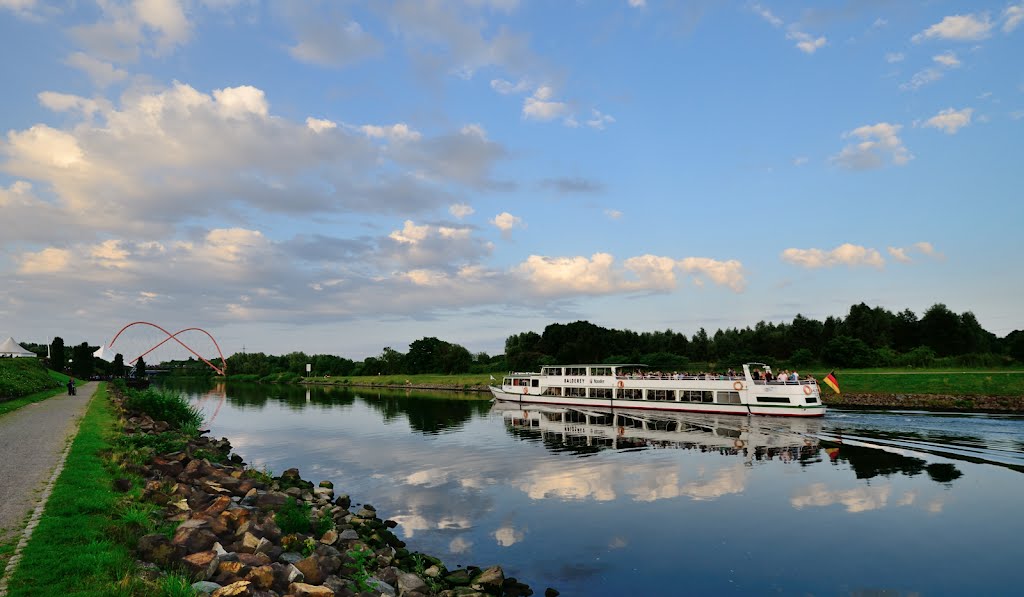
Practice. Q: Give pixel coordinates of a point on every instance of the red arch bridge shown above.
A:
(175, 338)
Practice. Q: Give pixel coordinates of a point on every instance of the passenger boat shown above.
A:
(635, 386)
(589, 429)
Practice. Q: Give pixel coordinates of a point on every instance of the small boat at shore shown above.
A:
(634, 386)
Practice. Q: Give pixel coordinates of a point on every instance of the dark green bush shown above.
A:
(294, 517)
(21, 377)
(165, 405)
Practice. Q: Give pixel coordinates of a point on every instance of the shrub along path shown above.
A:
(32, 442)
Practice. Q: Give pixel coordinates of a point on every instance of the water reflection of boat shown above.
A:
(620, 428)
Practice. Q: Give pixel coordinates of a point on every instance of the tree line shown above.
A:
(865, 337)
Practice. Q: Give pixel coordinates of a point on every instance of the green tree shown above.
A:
(140, 367)
(58, 360)
(82, 365)
(117, 367)
(940, 329)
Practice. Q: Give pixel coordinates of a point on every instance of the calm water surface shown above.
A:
(599, 503)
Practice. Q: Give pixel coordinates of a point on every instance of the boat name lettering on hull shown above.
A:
(575, 380)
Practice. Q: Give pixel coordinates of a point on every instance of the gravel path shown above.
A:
(32, 440)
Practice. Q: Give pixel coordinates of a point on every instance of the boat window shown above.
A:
(552, 391)
(631, 394)
(507, 381)
(596, 371)
(574, 391)
(728, 397)
(661, 395)
(600, 392)
(775, 399)
(811, 400)
(535, 383)
(696, 396)
(553, 417)
(552, 370)
(576, 371)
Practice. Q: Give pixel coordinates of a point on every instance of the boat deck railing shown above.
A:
(705, 377)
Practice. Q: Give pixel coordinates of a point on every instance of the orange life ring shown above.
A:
(622, 431)
(807, 390)
(738, 385)
(526, 389)
(622, 384)
(738, 444)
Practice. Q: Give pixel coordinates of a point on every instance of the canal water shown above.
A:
(600, 503)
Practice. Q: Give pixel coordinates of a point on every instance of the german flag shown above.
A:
(832, 382)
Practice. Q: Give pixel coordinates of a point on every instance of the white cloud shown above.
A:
(878, 142)
(894, 57)
(767, 15)
(159, 26)
(101, 73)
(507, 536)
(164, 156)
(507, 87)
(949, 120)
(330, 40)
(460, 210)
(599, 120)
(506, 222)
(47, 261)
(858, 499)
(806, 42)
(800, 160)
(613, 214)
(395, 133)
(410, 234)
(319, 125)
(598, 274)
(637, 3)
(540, 107)
(924, 248)
(958, 28)
(947, 59)
(1012, 17)
(899, 254)
(846, 254)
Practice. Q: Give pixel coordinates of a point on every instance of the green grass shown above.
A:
(72, 551)
(981, 382)
(23, 377)
(458, 381)
(12, 405)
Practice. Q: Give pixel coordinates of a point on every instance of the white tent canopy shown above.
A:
(10, 348)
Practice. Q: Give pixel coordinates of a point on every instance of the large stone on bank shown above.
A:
(330, 537)
(241, 588)
(194, 539)
(300, 589)
(409, 582)
(458, 578)
(310, 568)
(219, 505)
(271, 500)
(261, 577)
(348, 535)
(204, 587)
(157, 548)
(201, 565)
(490, 580)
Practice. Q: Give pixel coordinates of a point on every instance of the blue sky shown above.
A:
(343, 176)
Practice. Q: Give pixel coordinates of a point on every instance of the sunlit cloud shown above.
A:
(846, 254)
(878, 143)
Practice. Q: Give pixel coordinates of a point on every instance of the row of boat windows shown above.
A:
(651, 395)
(576, 371)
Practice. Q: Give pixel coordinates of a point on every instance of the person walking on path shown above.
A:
(32, 443)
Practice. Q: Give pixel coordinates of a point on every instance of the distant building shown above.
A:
(10, 349)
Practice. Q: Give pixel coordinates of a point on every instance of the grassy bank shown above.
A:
(977, 382)
(40, 387)
(22, 377)
(71, 551)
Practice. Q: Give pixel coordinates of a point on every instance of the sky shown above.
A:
(339, 177)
